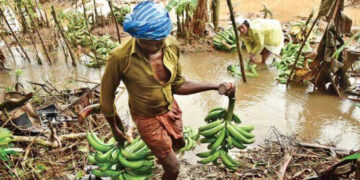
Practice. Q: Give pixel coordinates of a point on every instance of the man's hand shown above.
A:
(116, 128)
(226, 88)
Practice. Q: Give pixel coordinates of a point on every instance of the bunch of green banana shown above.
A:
(219, 113)
(222, 134)
(251, 72)
(288, 57)
(225, 40)
(120, 13)
(297, 28)
(191, 136)
(133, 161)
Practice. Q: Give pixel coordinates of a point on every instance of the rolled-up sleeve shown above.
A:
(179, 79)
(109, 83)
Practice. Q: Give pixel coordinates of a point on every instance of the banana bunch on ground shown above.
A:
(225, 40)
(250, 70)
(191, 136)
(297, 28)
(133, 161)
(288, 57)
(223, 133)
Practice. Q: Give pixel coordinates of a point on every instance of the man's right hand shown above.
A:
(116, 128)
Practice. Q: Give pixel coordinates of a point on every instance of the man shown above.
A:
(149, 66)
(261, 36)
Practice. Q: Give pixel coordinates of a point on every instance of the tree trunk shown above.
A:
(9, 49)
(63, 35)
(85, 16)
(116, 24)
(36, 51)
(12, 32)
(38, 33)
(96, 14)
(200, 18)
(179, 30)
(215, 5)
(22, 16)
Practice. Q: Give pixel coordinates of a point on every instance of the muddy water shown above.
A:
(284, 10)
(261, 101)
(265, 104)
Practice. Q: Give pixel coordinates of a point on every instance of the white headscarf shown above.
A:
(239, 21)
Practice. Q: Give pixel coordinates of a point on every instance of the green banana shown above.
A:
(219, 114)
(210, 125)
(213, 131)
(228, 164)
(207, 140)
(106, 166)
(135, 156)
(107, 173)
(237, 144)
(128, 176)
(144, 170)
(229, 142)
(91, 159)
(120, 177)
(211, 158)
(191, 144)
(204, 154)
(233, 160)
(248, 128)
(216, 109)
(96, 143)
(114, 155)
(236, 119)
(237, 135)
(144, 148)
(134, 164)
(245, 133)
(137, 146)
(219, 140)
(100, 157)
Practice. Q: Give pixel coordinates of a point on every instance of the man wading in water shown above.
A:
(149, 66)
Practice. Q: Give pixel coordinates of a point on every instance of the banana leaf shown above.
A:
(352, 157)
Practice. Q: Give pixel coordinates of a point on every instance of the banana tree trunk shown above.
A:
(200, 18)
(215, 13)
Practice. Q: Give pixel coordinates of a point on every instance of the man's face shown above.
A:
(150, 46)
(243, 29)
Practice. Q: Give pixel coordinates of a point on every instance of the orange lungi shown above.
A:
(161, 133)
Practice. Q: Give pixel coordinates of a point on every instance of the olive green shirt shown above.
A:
(147, 97)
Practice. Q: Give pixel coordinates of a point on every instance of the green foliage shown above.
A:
(120, 13)
(352, 157)
(181, 5)
(339, 50)
(78, 34)
(5, 146)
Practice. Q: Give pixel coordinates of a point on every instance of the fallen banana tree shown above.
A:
(48, 143)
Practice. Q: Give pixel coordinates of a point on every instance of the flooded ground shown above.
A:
(284, 10)
(261, 101)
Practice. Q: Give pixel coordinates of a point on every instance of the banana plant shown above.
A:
(184, 10)
(5, 146)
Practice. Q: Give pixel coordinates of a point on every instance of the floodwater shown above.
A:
(260, 102)
(284, 10)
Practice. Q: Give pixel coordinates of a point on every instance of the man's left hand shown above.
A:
(226, 88)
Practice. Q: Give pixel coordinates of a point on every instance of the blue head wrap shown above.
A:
(148, 21)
